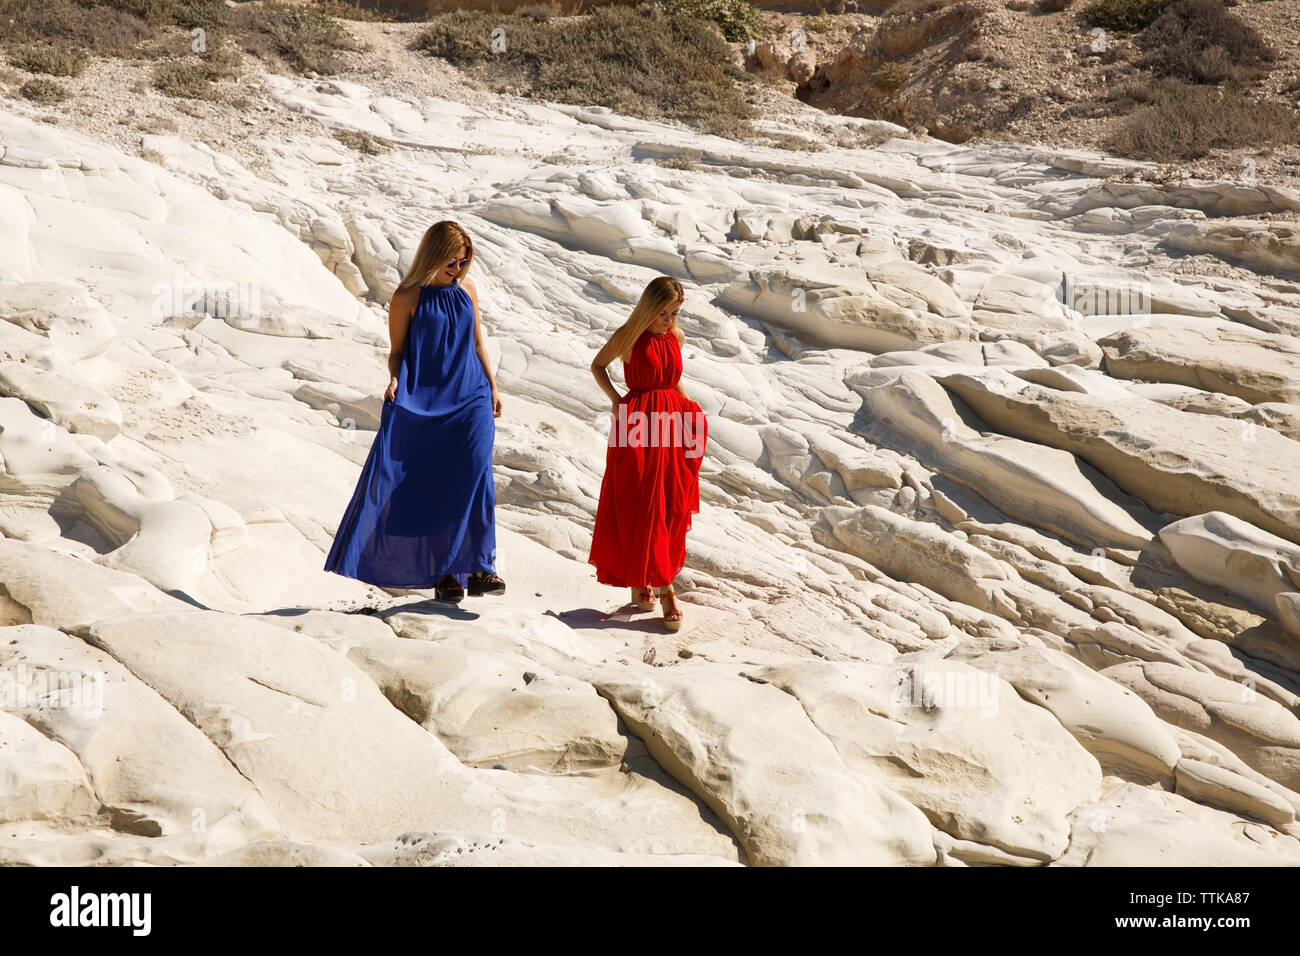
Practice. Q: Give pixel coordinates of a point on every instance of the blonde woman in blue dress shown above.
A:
(423, 513)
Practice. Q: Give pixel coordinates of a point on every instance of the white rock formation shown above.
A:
(936, 468)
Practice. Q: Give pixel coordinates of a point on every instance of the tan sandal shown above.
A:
(672, 619)
(642, 602)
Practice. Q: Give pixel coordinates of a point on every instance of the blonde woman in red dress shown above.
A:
(651, 485)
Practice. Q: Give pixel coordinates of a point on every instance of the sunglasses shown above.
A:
(457, 263)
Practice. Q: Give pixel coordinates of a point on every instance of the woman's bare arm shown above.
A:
(400, 310)
(480, 346)
(599, 369)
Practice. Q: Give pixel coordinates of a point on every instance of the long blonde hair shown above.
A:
(439, 246)
(661, 291)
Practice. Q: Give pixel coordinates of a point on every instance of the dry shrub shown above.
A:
(95, 29)
(890, 76)
(536, 11)
(304, 37)
(795, 142)
(1202, 41)
(192, 78)
(952, 132)
(44, 91)
(900, 7)
(1185, 122)
(657, 67)
(363, 142)
(920, 23)
(352, 10)
(1124, 16)
(49, 59)
(307, 39)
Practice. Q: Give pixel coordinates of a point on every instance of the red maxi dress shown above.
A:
(652, 467)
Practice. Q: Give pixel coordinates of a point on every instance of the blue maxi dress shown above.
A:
(425, 504)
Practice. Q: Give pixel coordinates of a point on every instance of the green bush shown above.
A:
(738, 19)
(1125, 16)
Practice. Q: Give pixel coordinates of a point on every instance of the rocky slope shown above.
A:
(998, 558)
(1014, 71)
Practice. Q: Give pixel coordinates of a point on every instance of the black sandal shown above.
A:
(485, 582)
(449, 589)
